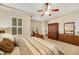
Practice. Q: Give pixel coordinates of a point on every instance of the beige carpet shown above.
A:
(69, 49)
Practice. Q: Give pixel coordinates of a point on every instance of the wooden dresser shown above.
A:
(72, 39)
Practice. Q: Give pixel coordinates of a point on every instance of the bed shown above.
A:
(34, 46)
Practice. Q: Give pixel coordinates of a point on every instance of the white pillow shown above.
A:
(8, 36)
(2, 52)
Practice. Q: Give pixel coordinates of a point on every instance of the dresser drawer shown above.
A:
(76, 40)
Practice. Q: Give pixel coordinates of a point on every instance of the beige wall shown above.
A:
(6, 21)
(45, 27)
(72, 17)
(36, 24)
(41, 25)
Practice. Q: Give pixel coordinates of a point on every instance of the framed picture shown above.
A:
(69, 28)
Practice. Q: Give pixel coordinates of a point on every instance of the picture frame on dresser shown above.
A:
(69, 28)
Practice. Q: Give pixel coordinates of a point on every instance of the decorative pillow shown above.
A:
(15, 43)
(7, 45)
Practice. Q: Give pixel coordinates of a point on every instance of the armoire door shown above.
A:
(53, 31)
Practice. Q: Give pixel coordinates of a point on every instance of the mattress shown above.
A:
(35, 46)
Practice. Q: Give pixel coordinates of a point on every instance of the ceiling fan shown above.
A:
(47, 9)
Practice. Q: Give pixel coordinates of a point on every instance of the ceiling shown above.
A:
(33, 7)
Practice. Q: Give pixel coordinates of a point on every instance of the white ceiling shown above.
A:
(33, 7)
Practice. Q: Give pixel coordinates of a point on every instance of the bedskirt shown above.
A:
(35, 46)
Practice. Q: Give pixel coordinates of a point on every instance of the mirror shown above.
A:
(69, 28)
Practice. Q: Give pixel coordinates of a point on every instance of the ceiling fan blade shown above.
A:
(40, 10)
(55, 9)
(42, 14)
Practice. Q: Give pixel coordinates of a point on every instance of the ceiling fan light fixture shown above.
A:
(47, 12)
(49, 7)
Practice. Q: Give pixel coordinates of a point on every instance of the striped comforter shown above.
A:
(36, 46)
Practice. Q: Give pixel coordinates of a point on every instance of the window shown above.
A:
(14, 22)
(19, 22)
(16, 26)
(20, 30)
(14, 30)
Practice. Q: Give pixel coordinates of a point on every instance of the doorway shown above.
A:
(53, 31)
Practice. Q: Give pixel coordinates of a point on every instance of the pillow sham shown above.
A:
(11, 37)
